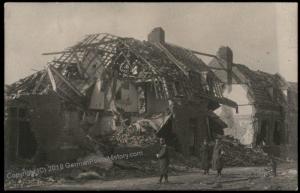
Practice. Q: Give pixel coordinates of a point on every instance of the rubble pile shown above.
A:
(237, 154)
(37, 83)
(140, 133)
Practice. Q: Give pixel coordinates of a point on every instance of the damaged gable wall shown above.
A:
(260, 99)
(255, 122)
(241, 123)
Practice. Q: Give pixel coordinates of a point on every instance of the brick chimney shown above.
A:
(225, 53)
(157, 35)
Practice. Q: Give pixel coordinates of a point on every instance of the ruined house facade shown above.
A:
(292, 118)
(261, 98)
(104, 82)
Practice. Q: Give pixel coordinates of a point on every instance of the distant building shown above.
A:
(262, 101)
(292, 118)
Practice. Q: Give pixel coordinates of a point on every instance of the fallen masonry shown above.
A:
(241, 155)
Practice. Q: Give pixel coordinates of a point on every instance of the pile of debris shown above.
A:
(237, 154)
(139, 133)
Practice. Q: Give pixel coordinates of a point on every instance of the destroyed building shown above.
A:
(292, 118)
(261, 97)
(105, 83)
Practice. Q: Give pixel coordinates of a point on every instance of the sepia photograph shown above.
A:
(151, 96)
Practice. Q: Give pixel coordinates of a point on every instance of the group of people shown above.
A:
(208, 159)
(214, 159)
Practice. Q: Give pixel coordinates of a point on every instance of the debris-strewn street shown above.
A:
(237, 178)
(126, 163)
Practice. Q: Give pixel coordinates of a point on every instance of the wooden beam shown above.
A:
(153, 69)
(93, 37)
(89, 63)
(96, 53)
(78, 64)
(96, 44)
(215, 68)
(204, 54)
(61, 62)
(39, 82)
(55, 53)
(170, 56)
(63, 79)
(78, 49)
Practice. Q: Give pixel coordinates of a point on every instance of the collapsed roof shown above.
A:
(263, 86)
(106, 57)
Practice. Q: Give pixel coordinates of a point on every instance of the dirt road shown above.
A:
(243, 178)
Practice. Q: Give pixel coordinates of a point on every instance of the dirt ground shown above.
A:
(237, 178)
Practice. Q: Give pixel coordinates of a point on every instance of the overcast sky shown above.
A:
(262, 35)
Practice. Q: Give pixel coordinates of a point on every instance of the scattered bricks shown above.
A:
(132, 135)
(237, 154)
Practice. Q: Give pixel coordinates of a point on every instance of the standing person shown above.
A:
(217, 159)
(205, 163)
(163, 157)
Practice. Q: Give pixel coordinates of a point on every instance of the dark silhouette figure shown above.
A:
(218, 160)
(163, 157)
(205, 162)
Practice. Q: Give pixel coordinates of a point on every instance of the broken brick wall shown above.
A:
(52, 126)
(43, 118)
(11, 129)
